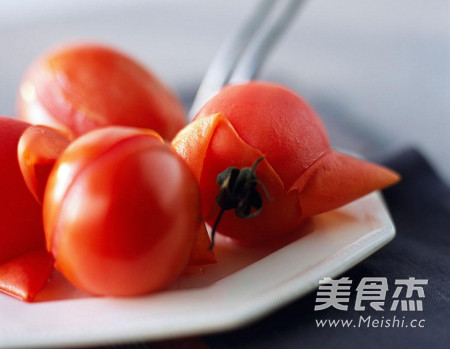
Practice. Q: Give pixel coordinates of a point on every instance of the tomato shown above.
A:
(121, 212)
(38, 149)
(81, 87)
(297, 174)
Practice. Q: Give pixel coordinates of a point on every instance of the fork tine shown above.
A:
(259, 48)
(228, 55)
(241, 56)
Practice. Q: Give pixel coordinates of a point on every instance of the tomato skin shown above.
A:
(125, 221)
(20, 215)
(302, 174)
(38, 149)
(24, 276)
(81, 87)
(275, 120)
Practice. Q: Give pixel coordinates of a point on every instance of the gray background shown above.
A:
(380, 68)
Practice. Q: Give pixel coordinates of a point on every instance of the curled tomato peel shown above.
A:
(38, 149)
(192, 142)
(24, 276)
(336, 179)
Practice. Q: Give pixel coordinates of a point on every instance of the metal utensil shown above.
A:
(241, 56)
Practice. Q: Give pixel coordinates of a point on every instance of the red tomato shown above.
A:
(20, 215)
(82, 87)
(39, 148)
(299, 174)
(24, 276)
(121, 212)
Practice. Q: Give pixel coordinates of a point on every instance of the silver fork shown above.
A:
(241, 56)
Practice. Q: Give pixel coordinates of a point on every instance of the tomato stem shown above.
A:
(214, 228)
(256, 163)
(237, 190)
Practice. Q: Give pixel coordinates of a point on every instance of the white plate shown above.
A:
(243, 286)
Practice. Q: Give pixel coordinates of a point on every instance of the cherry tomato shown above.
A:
(260, 150)
(121, 212)
(86, 86)
(39, 148)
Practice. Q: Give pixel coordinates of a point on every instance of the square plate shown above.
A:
(245, 285)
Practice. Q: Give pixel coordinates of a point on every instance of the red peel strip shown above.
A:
(24, 276)
(38, 149)
(337, 179)
(192, 142)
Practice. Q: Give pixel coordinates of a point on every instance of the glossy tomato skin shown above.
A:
(276, 121)
(21, 228)
(81, 87)
(299, 176)
(24, 276)
(125, 221)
